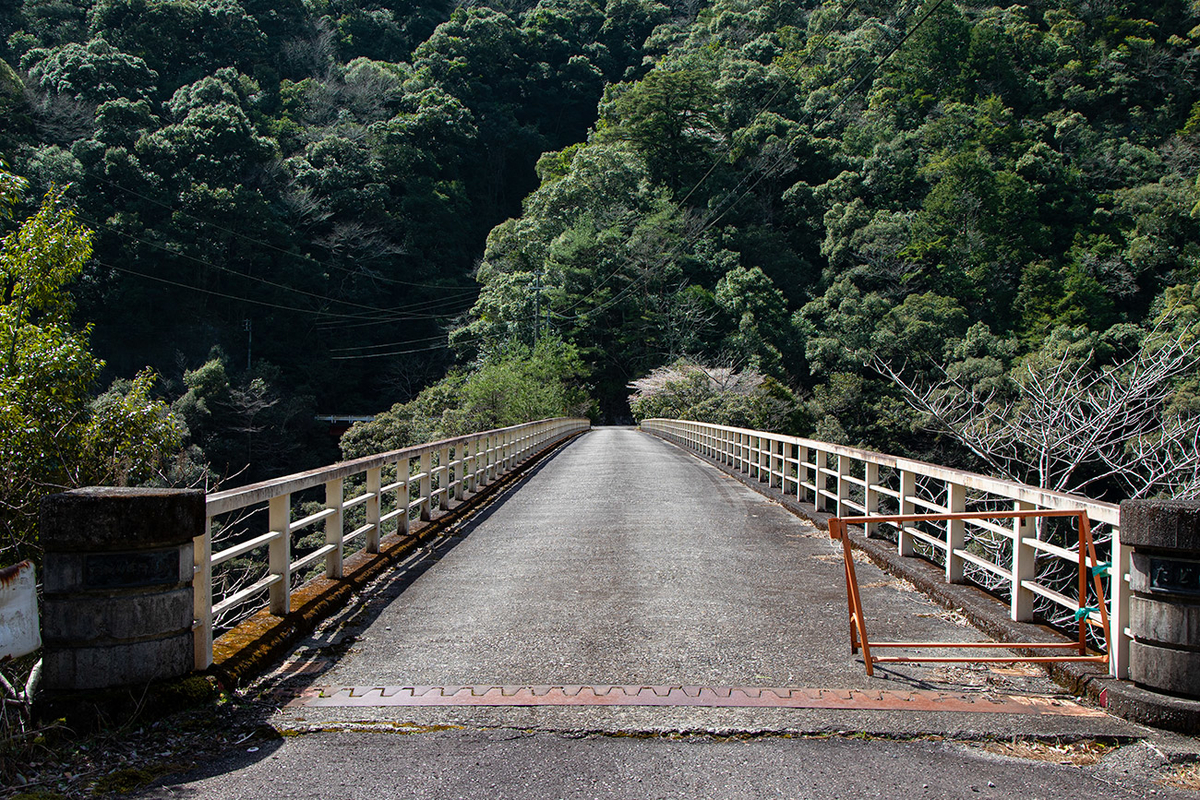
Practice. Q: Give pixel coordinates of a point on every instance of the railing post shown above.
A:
(374, 486)
(1118, 612)
(444, 478)
(279, 554)
(820, 464)
(802, 475)
(460, 470)
(202, 637)
(470, 465)
(871, 495)
(426, 489)
(1024, 565)
(489, 459)
(334, 528)
(843, 485)
(403, 494)
(776, 464)
(956, 532)
(789, 450)
(905, 545)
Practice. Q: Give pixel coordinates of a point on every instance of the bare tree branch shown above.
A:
(1070, 426)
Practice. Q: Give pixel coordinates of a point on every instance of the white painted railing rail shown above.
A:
(847, 481)
(391, 489)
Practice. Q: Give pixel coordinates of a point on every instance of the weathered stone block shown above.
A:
(1171, 624)
(107, 620)
(99, 519)
(118, 586)
(1161, 524)
(106, 666)
(78, 572)
(1165, 669)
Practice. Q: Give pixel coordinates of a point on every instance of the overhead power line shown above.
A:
(374, 314)
(737, 193)
(264, 244)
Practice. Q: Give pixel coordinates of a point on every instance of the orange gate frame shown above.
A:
(858, 629)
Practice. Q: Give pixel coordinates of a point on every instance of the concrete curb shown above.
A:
(244, 651)
(990, 615)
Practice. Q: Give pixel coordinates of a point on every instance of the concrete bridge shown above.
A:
(532, 602)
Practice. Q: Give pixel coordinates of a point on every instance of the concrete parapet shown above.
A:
(1164, 579)
(1161, 525)
(1120, 697)
(118, 586)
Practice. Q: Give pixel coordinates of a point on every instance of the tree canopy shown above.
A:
(859, 203)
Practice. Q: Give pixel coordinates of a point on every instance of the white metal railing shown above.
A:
(847, 481)
(377, 495)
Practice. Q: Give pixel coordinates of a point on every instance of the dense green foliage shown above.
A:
(53, 434)
(514, 385)
(853, 197)
(874, 208)
(309, 182)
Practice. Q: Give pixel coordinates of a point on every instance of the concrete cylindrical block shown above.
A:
(1164, 607)
(118, 586)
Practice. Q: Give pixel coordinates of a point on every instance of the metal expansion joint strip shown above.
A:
(698, 696)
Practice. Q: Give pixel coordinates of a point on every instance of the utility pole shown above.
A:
(246, 326)
(537, 304)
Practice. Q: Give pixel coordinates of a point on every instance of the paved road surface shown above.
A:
(492, 764)
(625, 561)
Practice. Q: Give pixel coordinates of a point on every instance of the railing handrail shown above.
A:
(1098, 510)
(478, 459)
(809, 467)
(239, 497)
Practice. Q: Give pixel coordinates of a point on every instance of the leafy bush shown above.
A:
(513, 385)
(53, 434)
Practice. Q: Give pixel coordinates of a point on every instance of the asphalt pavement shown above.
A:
(622, 561)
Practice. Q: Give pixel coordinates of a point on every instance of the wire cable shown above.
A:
(376, 315)
(249, 300)
(260, 242)
(714, 218)
(709, 220)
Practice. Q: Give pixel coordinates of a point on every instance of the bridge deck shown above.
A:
(625, 563)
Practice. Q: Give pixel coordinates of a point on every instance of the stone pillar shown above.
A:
(1164, 607)
(118, 586)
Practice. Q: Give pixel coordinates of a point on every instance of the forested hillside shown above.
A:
(305, 185)
(965, 232)
(276, 207)
(928, 227)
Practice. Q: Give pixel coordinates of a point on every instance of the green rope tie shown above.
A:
(1086, 611)
(1102, 569)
